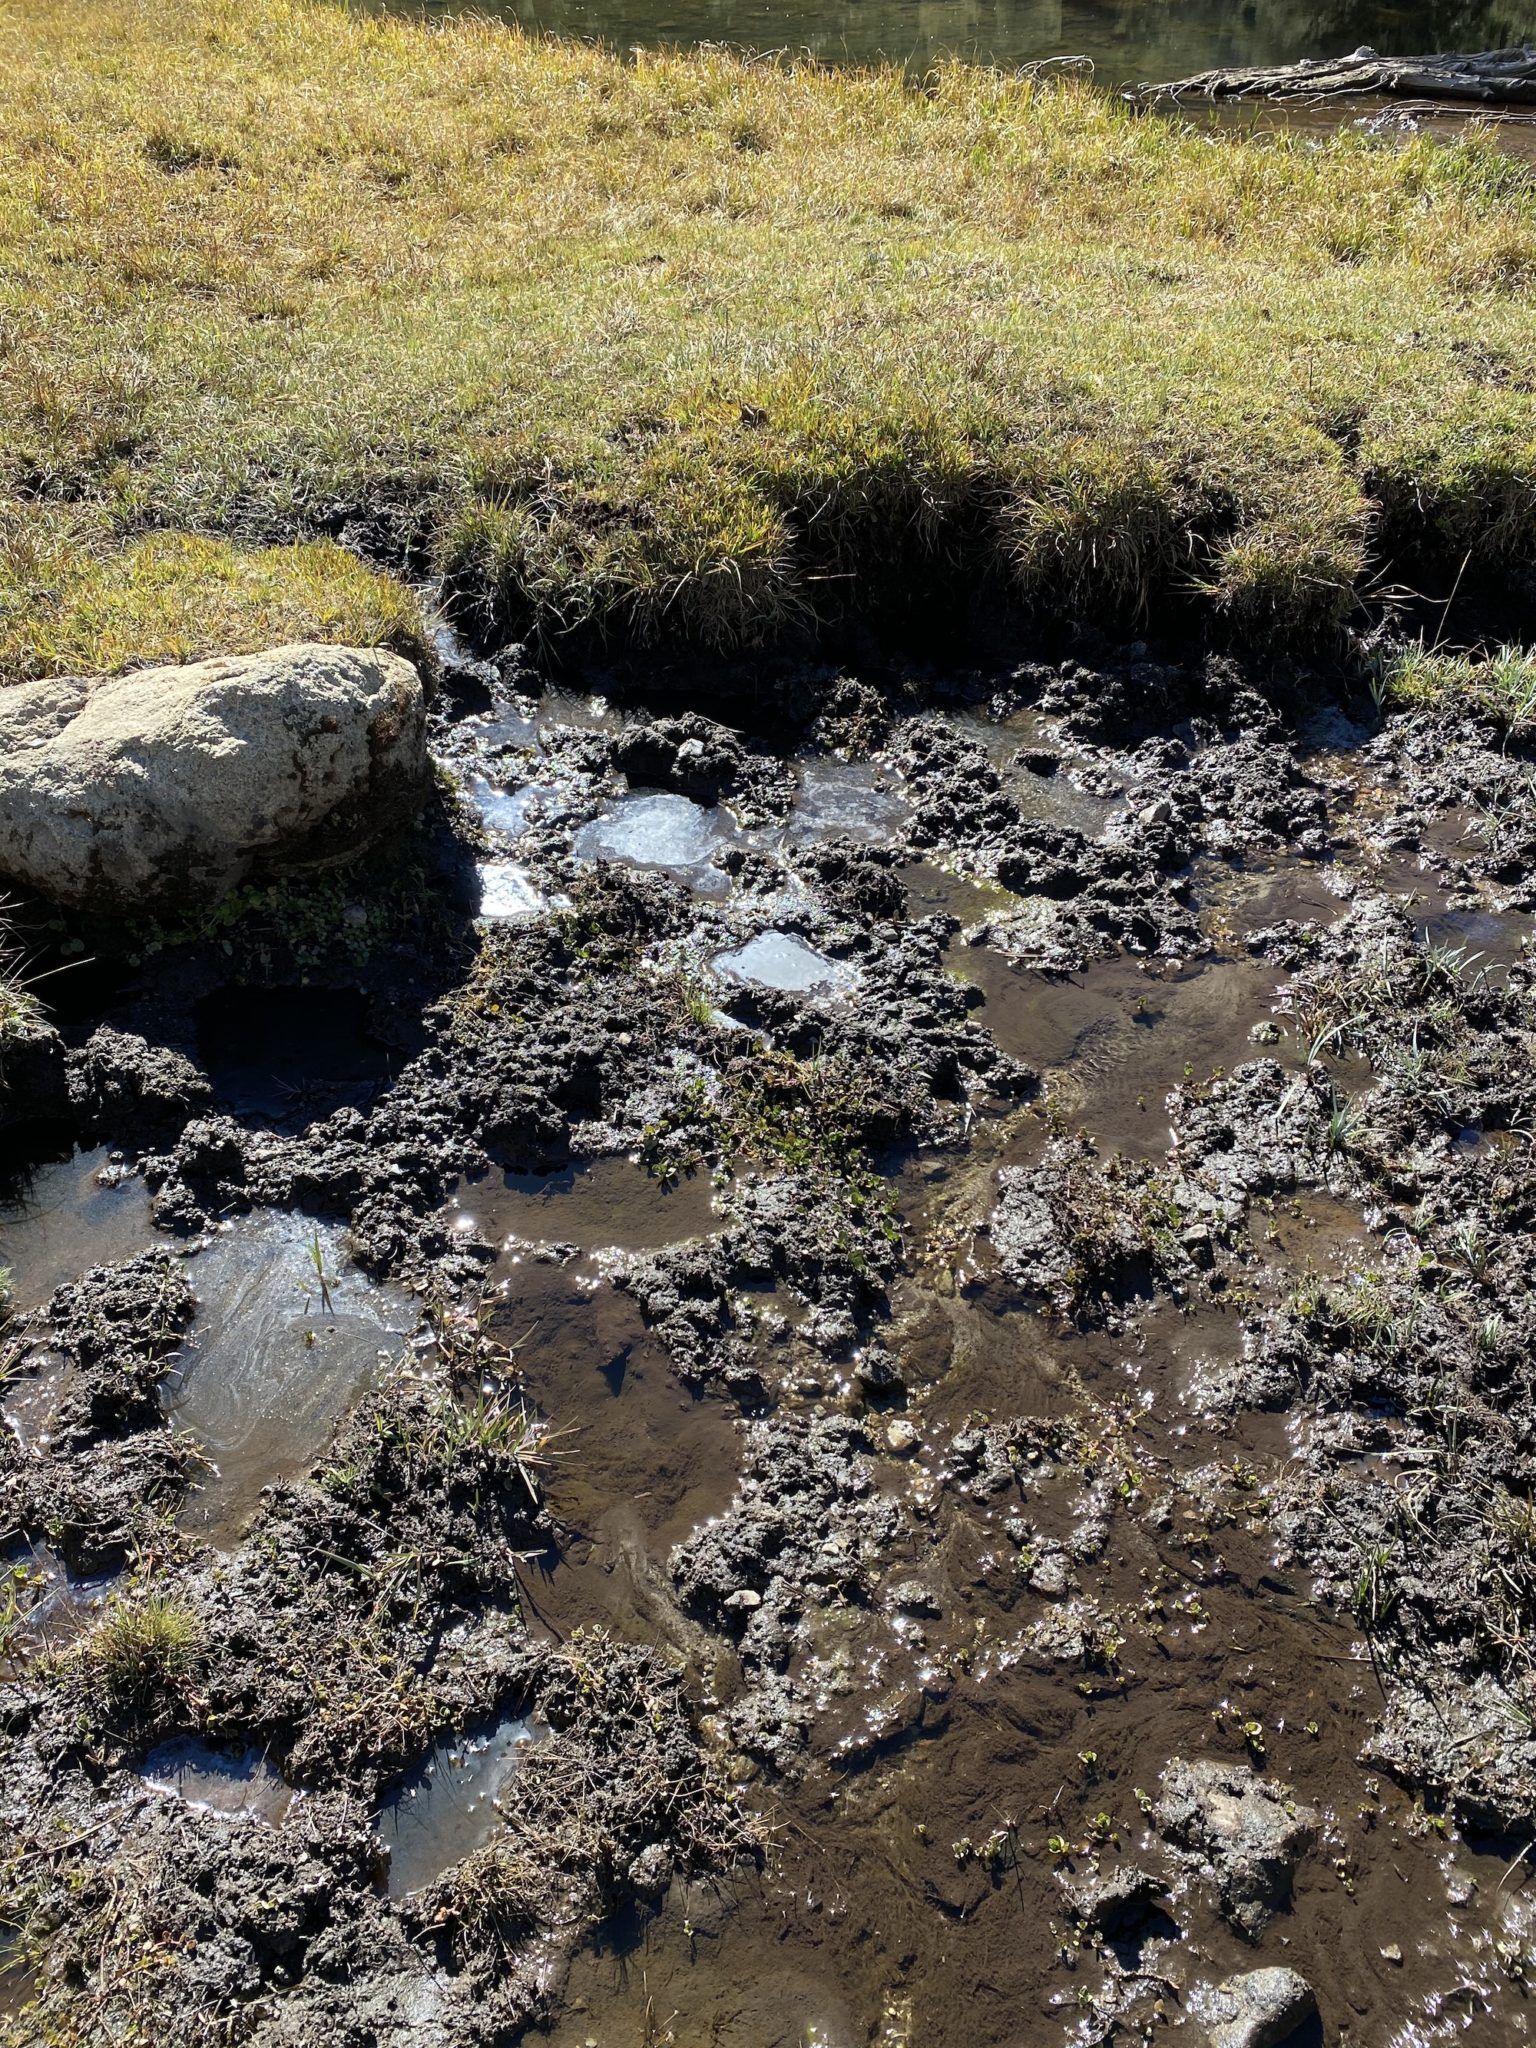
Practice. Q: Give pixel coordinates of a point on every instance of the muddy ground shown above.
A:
(863, 1377)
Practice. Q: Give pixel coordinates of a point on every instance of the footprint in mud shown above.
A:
(286, 1056)
(288, 1333)
(63, 1217)
(234, 1784)
(450, 1804)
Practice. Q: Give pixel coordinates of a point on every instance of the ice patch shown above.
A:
(658, 830)
(779, 960)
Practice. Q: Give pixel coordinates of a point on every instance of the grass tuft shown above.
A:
(141, 1649)
(1499, 686)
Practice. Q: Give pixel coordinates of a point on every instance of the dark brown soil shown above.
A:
(1001, 1481)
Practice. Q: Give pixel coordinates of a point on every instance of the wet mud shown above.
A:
(870, 1383)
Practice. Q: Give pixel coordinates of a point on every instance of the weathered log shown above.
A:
(1486, 77)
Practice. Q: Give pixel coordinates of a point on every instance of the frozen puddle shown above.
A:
(448, 1806)
(658, 830)
(779, 960)
(287, 1334)
(508, 893)
(840, 800)
(235, 1784)
(65, 1220)
(503, 811)
(52, 1606)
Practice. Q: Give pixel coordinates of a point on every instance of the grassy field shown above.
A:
(695, 349)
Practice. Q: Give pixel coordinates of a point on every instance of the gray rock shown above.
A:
(1260, 2009)
(1244, 1832)
(913, 1597)
(168, 787)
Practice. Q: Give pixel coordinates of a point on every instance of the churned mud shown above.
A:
(860, 1377)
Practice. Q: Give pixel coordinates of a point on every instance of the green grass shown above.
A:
(140, 1648)
(76, 596)
(21, 1012)
(1499, 685)
(698, 349)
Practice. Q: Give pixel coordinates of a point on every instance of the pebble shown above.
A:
(900, 1436)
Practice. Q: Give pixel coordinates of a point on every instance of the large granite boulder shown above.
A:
(164, 789)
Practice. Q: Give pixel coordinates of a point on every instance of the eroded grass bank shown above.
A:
(690, 347)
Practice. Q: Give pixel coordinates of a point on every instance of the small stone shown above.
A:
(651, 1871)
(900, 1436)
(878, 1371)
(913, 1597)
(1259, 2009)
(1160, 813)
(1265, 1032)
(744, 1600)
(1245, 1832)
(1392, 1953)
(1198, 1243)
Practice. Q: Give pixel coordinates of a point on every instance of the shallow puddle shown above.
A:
(287, 1056)
(655, 829)
(506, 812)
(846, 800)
(780, 960)
(287, 1334)
(234, 1784)
(1118, 1037)
(1038, 778)
(931, 888)
(637, 1461)
(594, 1205)
(65, 1218)
(449, 1805)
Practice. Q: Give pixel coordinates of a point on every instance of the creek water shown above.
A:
(1127, 42)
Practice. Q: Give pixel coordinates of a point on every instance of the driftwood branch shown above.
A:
(1488, 77)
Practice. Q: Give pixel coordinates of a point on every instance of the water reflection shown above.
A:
(1127, 41)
